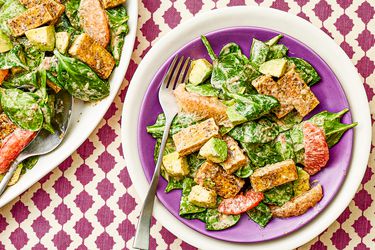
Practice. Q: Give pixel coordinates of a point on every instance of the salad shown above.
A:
(47, 46)
(240, 143)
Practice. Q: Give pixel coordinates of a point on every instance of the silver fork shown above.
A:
(176, 74)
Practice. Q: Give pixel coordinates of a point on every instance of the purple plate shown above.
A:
(328, 91)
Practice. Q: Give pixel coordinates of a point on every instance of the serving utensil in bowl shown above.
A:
(45, 142)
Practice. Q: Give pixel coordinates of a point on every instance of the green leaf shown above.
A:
(258, 53)
(27, 81)
(173, 184)
(217, 221)
(274, 40)
(332, 126)
(13, 58)
(194, 162)
(279, 195)
(262, 154)
(288, 121)
(182, 120)
(260, 131)
(118, 23)
(284, 146)
(306, 70)
(254, 106)
(260, 214)
(185, 206)
(277, 51)
(203, 89)
(30, 54)
(71, 10)
(210, 51)
(22, 108)
(80, 80)
(200, 216)
(245, 171)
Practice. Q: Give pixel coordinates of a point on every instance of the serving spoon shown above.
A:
(45, 142)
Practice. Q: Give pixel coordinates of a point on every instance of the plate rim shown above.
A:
(63, 152)
(357, 101)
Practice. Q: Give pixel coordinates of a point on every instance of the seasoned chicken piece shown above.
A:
(265, 85)
(3, 74)
(202, 106)
(299, 204)
(56, 9)
(111, 3)
(236, 158)
(6, 127)
(94, 21)
(30, 19)
(212, 176)
(93, 54)
(273, 175)
(299, 94)
(192, 138)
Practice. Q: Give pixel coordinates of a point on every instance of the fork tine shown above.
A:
(175, 74)
(187, 74)
(167, 76)
(182, 73)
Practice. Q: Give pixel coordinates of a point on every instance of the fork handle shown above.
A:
(4, 182)
(142, 235)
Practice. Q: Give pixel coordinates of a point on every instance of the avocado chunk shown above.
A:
(275, 67)
(5, 43)
(201, 70)
(234, 116)
(302, 184)
(43, 38)
(175, 165)
(215, 150)
(62, 41)
(202, 197)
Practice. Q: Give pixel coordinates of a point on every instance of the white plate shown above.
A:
(277, 20)
(85, 118)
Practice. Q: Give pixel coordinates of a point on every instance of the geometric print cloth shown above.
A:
(89, 202)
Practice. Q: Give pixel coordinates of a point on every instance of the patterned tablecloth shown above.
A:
(89, 202)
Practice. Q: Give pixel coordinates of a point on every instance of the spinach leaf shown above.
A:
(284, 146)
(260, 214)
(200, 216)
(71, 10)
(258, 53)
(260, 131)
(173, 184)
(274, 40)
(29, 163)
(296, 135)
(25, 81)
(288, 121)
(245, 171)
(217, 221)
(262, 154)
(22, 108)
(9, 9)
(333, 128)
(253, 106)
(79, 79)
(203, 89)
(231, 69)
(306, 70)
(13, 58)
(31, 55)
(185, 206)
(277, 51)
(194, 162)
(46, 102)
(118, 23)
(279, 195)
(182, 120)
